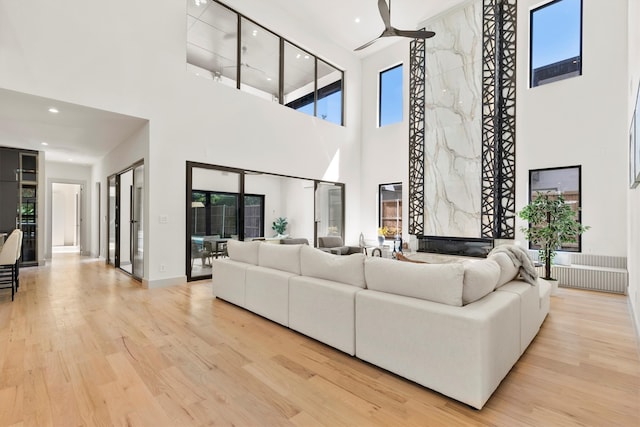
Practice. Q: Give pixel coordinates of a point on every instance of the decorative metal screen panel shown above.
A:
(498, 119)
(416, 136)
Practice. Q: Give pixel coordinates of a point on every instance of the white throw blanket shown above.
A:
(521, 260)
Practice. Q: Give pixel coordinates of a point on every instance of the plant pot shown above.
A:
(554, 286)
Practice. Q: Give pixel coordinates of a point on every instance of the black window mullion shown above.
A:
(281, 76)
(239, 51)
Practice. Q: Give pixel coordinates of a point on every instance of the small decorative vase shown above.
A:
(380, 240)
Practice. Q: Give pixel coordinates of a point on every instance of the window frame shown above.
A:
(281, 64)
(380, 104)
(580, 56)
(579, 210)
(381, 188)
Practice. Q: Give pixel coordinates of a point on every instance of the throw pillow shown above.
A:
(508, 270)
(480, 279)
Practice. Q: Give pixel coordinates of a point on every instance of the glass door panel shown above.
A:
(329, 208)
(124, 224)
(137, 224)
(215, 217)
(111, 216)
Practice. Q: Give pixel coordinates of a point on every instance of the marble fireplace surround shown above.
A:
(462, 148)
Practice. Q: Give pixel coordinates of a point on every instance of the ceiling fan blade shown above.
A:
(366, 44)
(417, 34)
(385, 14)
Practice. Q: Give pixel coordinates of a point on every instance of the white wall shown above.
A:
(385, 151)
(581, 121)
(63, 214)
(119, 57)
(633, 195)
(67, 173)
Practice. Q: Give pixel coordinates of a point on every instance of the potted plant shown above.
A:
(280, 225)
(552, 223)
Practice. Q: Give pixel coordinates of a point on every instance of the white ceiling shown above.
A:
(335, 19)
(83, 135)
(76, 134)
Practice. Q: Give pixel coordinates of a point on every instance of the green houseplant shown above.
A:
(552, 222)
(279, 225)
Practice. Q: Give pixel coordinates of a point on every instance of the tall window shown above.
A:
(555, 181)
(390, 102)
(390, 196)
(556, 42)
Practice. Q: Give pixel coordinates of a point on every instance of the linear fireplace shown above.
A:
(462, 246)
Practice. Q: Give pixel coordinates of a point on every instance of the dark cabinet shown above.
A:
(18, 198)
(9, 164)
(9, 206)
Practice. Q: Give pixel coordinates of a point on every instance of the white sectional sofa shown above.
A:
(455, 328)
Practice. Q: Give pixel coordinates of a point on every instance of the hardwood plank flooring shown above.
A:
(84, 345)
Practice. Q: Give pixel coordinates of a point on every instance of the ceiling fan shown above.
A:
(390, 31)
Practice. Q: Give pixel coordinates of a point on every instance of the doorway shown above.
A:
(125, 220)
(66, 218)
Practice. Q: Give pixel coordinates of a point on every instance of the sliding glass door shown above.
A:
(214, 217)
(125, 227)
(226, 203)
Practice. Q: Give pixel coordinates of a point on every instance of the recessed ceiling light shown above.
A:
(298, 56)
(71, 160)
(254, 33)
(306, 57)
(357, 20)
(53, 110)
(44, 143)
(269, 79)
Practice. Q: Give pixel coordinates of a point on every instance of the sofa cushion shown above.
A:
(243, 251)
(330, 241)
(508, 270)
(280, 257)
(434, 282)
(322, 265)
(480, 278)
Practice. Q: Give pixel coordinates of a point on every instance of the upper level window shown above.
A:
(230, 48)
(556, 42)
(390, 102)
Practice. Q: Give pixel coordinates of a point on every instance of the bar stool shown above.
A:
(9, 262)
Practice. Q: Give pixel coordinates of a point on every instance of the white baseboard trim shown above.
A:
(164, 283)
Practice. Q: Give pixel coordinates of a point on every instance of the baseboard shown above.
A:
(164, 283)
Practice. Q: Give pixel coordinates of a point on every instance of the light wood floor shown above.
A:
(84, 345)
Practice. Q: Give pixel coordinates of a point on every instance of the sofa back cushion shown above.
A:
(347, 269)
(434, 282)
(480, 279)
(243, 251)
(280, 257)
(508, 270)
